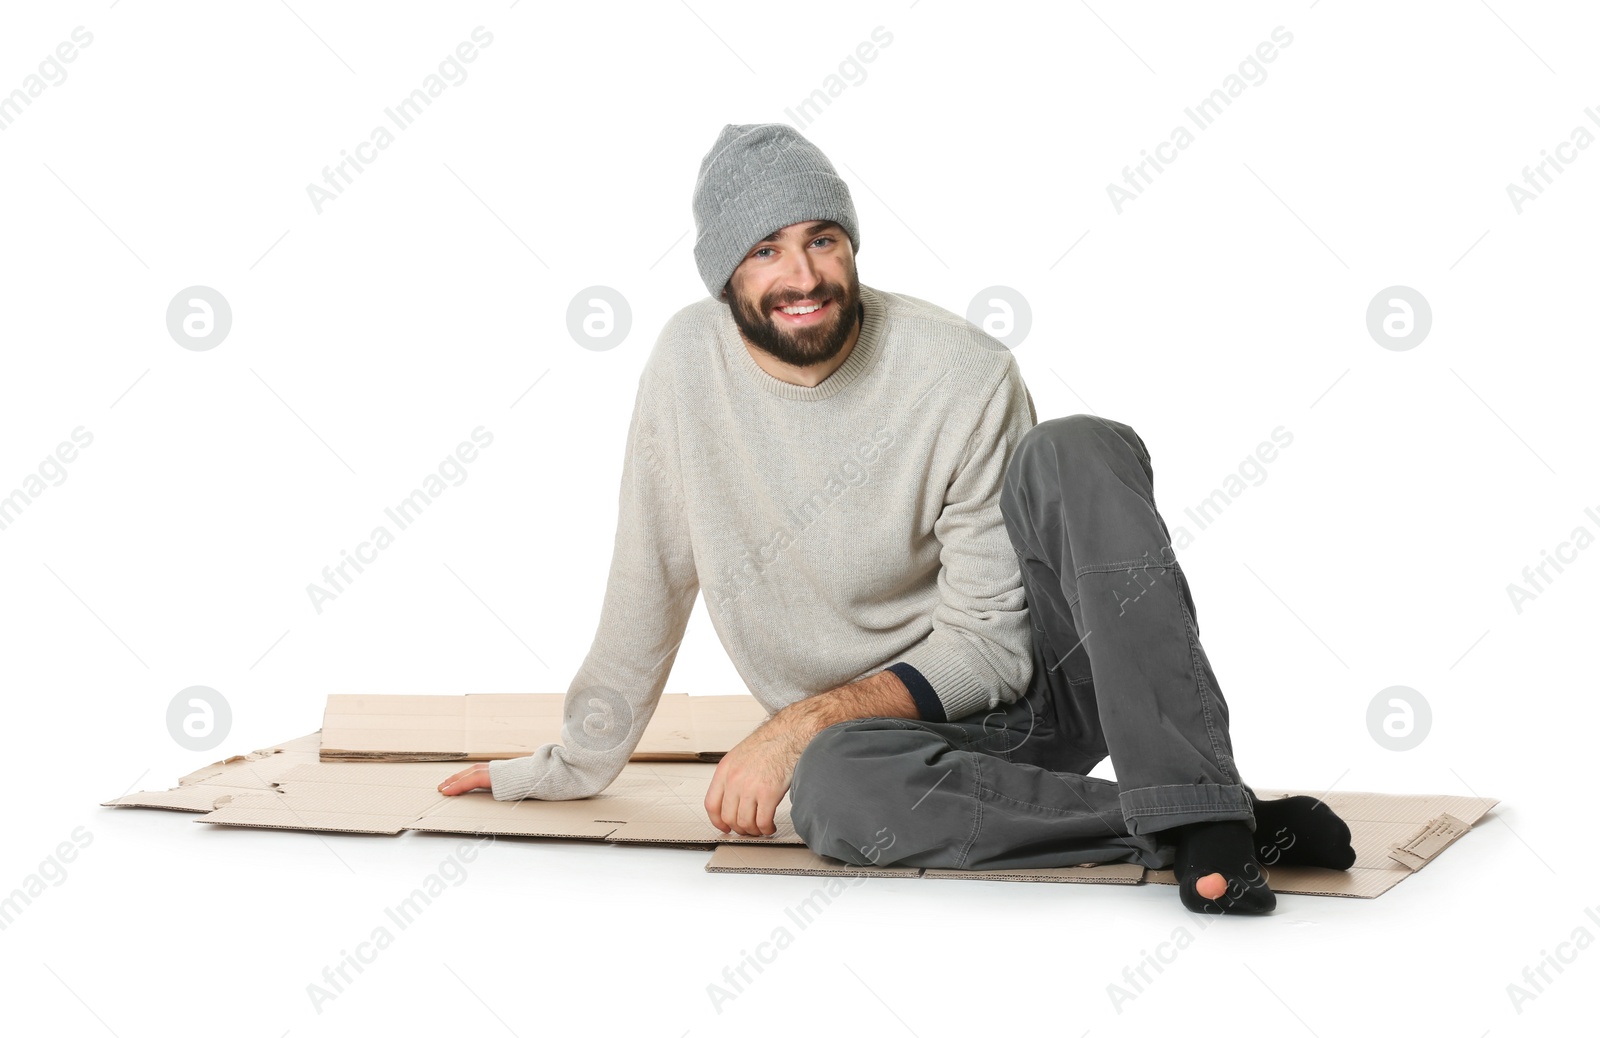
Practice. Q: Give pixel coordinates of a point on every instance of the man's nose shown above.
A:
(801, 275)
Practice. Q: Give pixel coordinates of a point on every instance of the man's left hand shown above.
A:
(752, 778)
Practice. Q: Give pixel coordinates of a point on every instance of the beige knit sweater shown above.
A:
(834, 530)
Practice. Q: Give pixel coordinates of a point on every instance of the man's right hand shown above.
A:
(475, 777)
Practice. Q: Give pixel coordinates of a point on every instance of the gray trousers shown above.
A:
(1118, 670)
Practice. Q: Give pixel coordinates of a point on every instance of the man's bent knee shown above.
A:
(818, 777)
(830, 792)
(1078, 437)
(1076, 430)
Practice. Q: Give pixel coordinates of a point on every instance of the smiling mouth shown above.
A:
(809, 313)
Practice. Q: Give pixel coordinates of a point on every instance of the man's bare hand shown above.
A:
(751, 779)
(475, 777)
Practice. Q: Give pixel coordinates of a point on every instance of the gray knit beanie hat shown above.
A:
(757, 178)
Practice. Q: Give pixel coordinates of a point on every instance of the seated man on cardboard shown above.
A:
(899, 562)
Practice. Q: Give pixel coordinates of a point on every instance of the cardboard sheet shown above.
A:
(802, 861)
(1393, 836)
(253, 772)
(790, 860)
(288, 787)
(498, 726)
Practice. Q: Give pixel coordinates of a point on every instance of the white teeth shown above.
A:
(800, 309)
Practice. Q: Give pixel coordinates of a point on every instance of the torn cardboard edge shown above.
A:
(1429, 842)
(252, 772)
(662, 802)
(498, 726)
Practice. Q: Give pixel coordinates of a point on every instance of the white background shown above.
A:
(430, 298)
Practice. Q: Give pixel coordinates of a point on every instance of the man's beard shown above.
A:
(801, 347)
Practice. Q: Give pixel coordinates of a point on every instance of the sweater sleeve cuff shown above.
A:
(513, 779)
(922, 694)
(958, 689)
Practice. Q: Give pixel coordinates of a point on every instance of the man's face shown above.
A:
(801, 265)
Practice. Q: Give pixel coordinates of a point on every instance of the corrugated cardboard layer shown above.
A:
(1120, 874)
(795, 861)
(1382, 826)
(499, 726)
(250, 772)
(650, 802)
(1379, 822)
(1427, 844)
(803, 861)
(280, 788)
(288, 787)
(341, 797)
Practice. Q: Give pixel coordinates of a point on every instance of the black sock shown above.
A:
(1225, 847)
(1301, 830)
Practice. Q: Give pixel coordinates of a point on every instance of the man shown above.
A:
(898, 560)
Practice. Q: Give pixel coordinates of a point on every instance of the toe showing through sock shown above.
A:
(1225, 848)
